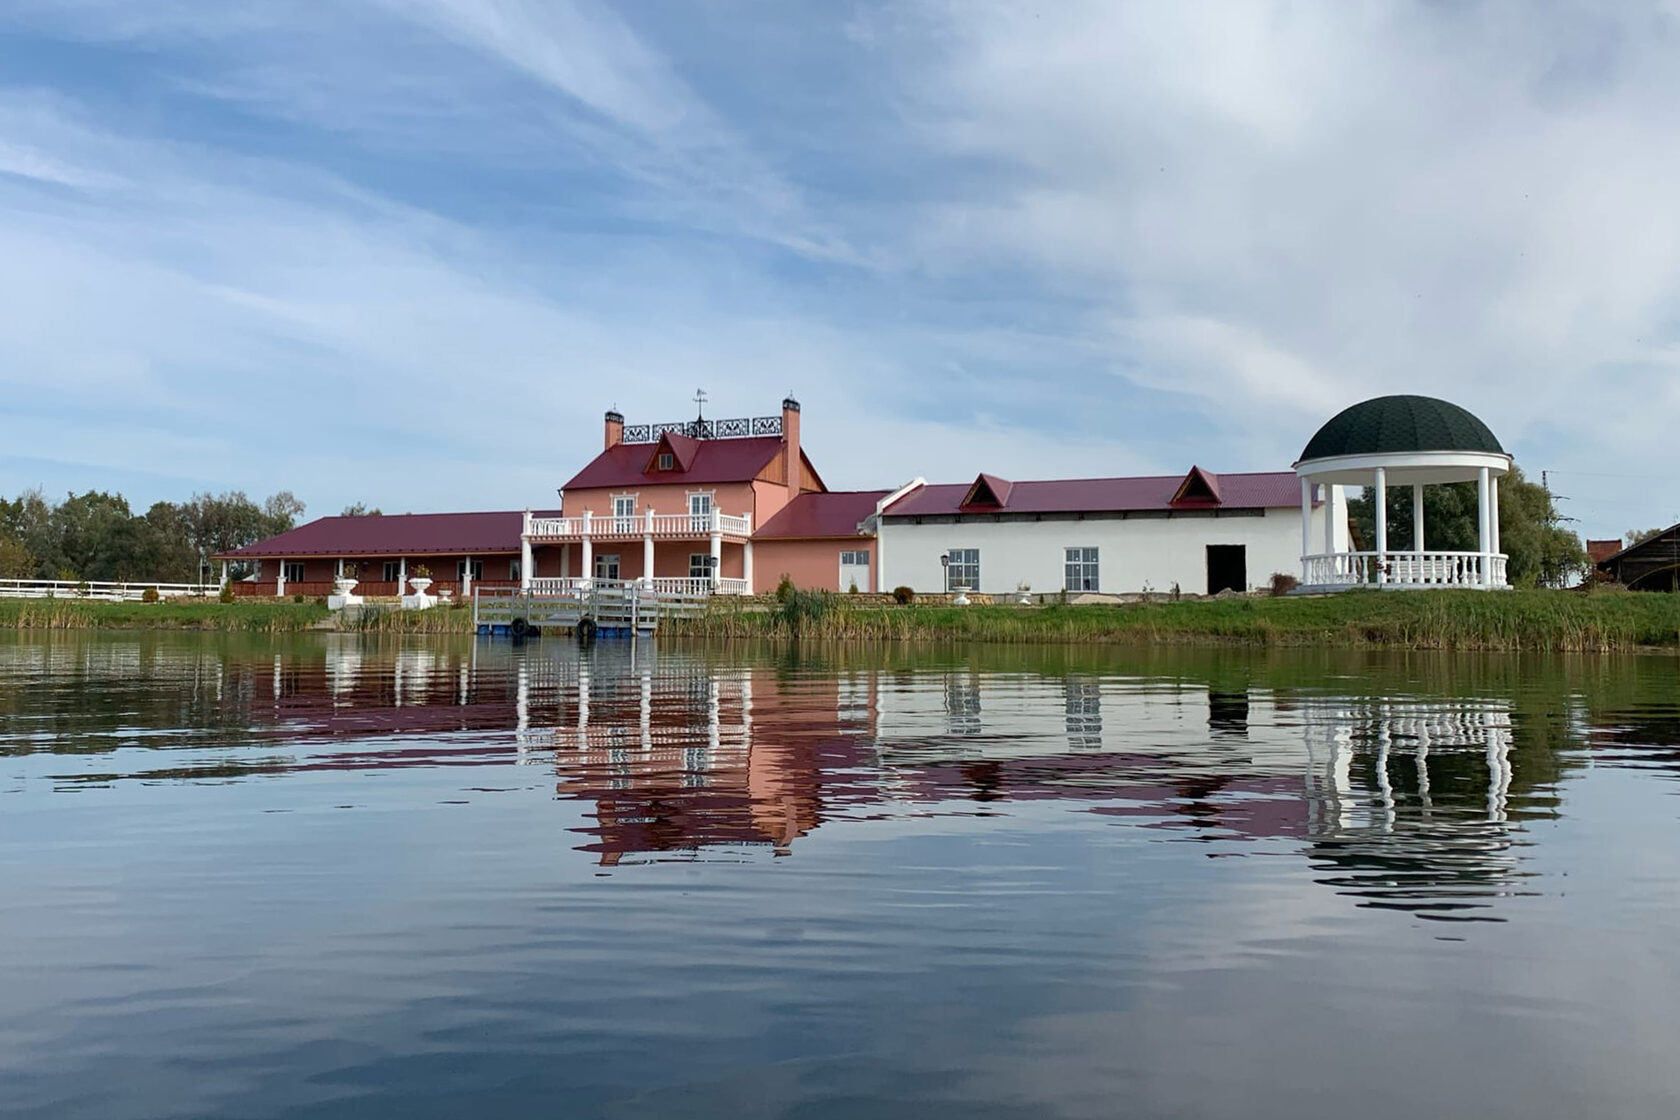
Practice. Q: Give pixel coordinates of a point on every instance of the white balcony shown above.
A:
(661, 585)
(640, 526)
(1404, 570)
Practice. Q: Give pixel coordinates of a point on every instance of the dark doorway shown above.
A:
(1227, 568)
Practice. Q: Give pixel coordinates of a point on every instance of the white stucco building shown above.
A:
(1202, 532)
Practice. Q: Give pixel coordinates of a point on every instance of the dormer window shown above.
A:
(667, 461)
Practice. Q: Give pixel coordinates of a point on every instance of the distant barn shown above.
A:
(1651, 565)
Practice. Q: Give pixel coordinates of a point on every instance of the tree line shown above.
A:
(97, 536)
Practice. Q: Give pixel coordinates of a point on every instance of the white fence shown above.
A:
(104, 590)
(664, 585)
(1405, 569)
(660, 526)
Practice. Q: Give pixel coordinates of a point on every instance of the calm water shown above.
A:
(334, 877)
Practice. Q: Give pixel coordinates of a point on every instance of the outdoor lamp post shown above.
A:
(945, 564)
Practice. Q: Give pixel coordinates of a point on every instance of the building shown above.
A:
(1200, 532)
(459, 550)
(1651, 565)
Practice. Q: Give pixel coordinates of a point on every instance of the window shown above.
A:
(606, 565)
(700, 513)
(667, 461)
(292, 571)
(854, 559)
(699, 565)
(854, 569)
(513, 569)
(624, 513)
(393, 571)
(1081, 569)
(964, 570)
(461, 569)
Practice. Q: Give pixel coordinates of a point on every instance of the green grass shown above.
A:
(72, 614)
(1514, 620)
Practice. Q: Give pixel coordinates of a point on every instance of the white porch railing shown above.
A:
(1404, 569)
(107, 590)
(663, 585)
(660, 526)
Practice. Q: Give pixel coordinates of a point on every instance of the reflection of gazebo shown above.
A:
(1404, 440)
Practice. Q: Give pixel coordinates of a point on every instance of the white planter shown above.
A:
(343, 585)
(420, 583)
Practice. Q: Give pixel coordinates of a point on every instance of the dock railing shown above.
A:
(609, 604)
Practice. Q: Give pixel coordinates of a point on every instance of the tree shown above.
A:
(16, 561)
(360, 509)
(1539, 549)
(1638, 536)
(282, 511)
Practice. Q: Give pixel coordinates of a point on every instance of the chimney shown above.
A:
(615, 428)
(790, 439)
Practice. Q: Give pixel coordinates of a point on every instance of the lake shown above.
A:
(332, 876)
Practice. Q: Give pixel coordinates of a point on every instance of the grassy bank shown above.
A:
(265, 616)
(1467, 620)
(72, 614)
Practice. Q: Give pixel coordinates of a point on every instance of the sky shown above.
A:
(407, 252)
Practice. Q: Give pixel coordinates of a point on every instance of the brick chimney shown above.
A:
(790, 438)
(615, 429)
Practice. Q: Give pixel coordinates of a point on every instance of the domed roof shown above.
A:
(1385, 425)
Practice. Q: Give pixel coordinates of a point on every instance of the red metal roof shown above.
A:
(1109, 495)
(835, 513)
(709, 460)
(405, 534)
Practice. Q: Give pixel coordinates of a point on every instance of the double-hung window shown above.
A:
(963, 573)
(477, 570)
(700, 513)
(293, 572)
(393, 571)
(1081, 569)
(624, 513)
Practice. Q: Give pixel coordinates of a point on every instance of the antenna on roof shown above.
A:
(700, 400)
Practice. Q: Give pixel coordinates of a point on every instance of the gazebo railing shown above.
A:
(1404, 569)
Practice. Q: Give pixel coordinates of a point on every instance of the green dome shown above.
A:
(1386, 425)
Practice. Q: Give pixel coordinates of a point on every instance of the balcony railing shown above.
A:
(1405, 569)
(660, 526)
(662, 585)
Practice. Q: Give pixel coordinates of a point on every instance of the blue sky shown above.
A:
(407, 252)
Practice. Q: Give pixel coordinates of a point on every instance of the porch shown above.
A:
(697, 553)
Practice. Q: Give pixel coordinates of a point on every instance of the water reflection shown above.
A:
(1410, 801)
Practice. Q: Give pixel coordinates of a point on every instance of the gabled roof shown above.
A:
(681, 447)
(1199, 488)
(834, 513)
(1269, 490)
(712, 460)
(405, 534)
(988, 491)
(1660, 540)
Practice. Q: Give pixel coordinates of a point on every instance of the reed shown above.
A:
(1561, 621)
(75, 614)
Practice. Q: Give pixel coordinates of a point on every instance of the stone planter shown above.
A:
(342, 595)
(419, 601)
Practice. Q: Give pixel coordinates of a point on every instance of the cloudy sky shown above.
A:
(407, 252)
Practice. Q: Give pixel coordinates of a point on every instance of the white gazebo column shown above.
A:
(1306, 530)
(1484, 541)
(1493, 512)
(1382, 524)
(1417, 517)
(1330, 499)
(647, 549)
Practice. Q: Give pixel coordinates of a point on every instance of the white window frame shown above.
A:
(623, 522)
(966, 564)
(699, 565)
(700, 521)
(461, 570)
(392, 571)
(607, 565)
(292, 571)
(1088, 561)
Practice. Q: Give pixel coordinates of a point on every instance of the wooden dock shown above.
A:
(609, 608)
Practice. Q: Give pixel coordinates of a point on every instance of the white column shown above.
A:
(747, 569)
(717, 548)
(647, 550)
(1382, 524)
(1306, 530)
(1494, 493)
(588, 572)
(224, 575)
(280, 580)
(338, 569)
(1330, 499)
(527, 556)
(1417, 517)
(466, 577)
(1483, 542)
(402, 575)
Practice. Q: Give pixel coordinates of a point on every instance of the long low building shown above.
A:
(734, 506)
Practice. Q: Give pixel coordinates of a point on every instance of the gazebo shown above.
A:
(1401, 441)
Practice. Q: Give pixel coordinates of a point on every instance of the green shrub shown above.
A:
(801, 607)
(297, 598)
(903, 595)
(150, 595)
(785, 588)
(226, 594)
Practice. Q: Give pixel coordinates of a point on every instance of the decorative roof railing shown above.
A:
(736, 428)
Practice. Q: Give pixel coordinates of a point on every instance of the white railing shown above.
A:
(668, 526)
(111, 591)
(662, 585)
(1404, 569)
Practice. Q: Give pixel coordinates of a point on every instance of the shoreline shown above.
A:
(1541, 621)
